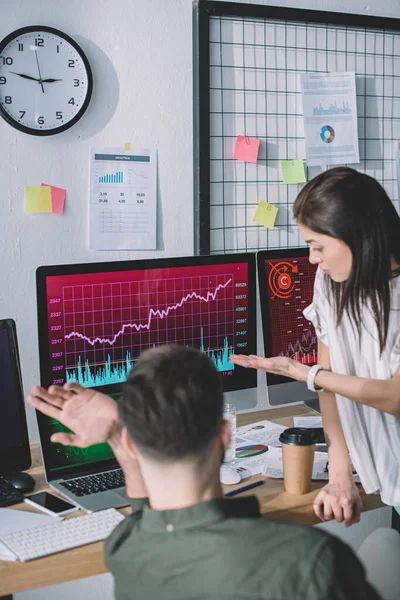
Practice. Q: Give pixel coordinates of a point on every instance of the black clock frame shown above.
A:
(40, 132)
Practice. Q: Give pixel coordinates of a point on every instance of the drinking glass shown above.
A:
(230, 416)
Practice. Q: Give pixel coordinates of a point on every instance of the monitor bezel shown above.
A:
(16, 458)
(262, 256)
(249, 376)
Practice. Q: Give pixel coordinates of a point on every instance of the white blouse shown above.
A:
(372, 436)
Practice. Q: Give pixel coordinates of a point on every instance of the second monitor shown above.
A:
(286, 283)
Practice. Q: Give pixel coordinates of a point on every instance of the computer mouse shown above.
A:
(21, 481)
(229, 475)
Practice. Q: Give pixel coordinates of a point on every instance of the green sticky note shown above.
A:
(293, 171)
(38, 199)
(265, 214)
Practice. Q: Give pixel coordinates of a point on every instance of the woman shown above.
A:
(353, 232)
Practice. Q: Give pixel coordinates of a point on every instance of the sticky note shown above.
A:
(265, 214)
(127, 146)
(246, 148)
(293, 171)
(57, 198)
(37, 199)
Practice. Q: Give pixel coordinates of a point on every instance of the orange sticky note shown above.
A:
(57, 198)
(246, 149)
(265, 214)
(37, 199)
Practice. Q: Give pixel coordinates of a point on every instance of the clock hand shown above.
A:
(50, 80)
(24, 76)
(40, 75)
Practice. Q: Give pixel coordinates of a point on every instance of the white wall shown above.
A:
(141, 55)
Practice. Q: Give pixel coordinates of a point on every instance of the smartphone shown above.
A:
(51, 504)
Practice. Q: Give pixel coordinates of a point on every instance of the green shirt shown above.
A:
(222, 549)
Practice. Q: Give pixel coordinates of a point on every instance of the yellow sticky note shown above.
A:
(127, 146)
(38, 199)
(265, 214)
(293, 171)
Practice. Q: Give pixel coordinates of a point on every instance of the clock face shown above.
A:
(45, 80)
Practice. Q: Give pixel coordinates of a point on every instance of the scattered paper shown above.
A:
(123, 199)
(13, 521)
(254, 442)
(57, 198)
(330, 118)
(265, 214)
(273, 466)
(37, 199)
(307, 422)
(293, 171)
(246, 149)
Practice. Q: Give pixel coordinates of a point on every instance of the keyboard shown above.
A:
(92, 484)
(9, 494)
(62, 535)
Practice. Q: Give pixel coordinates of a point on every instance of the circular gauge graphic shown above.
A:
(250, 450)
(258, 427)
(327, 134)
(280, 279)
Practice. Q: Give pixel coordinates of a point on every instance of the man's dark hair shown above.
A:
(354, 207)
(172, 402)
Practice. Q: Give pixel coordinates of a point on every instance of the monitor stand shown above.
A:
(313, 404)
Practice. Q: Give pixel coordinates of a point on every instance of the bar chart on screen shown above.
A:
(100, 323)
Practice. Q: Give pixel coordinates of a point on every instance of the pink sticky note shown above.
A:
(246, 149)
(57, 198)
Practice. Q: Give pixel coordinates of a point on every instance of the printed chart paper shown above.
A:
(273, 466)
(123, 199)
(253, 443)
(330, 118)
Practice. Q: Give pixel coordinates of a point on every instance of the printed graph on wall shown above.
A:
(248, 64)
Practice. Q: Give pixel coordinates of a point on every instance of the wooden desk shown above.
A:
(88, 560)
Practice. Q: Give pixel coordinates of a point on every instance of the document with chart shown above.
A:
(123, 199)
(330, 118)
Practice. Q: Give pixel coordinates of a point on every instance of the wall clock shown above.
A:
(45, 80)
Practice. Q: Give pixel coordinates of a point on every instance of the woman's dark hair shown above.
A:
(172, 402)
(354, 208)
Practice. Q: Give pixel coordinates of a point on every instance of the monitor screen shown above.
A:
(95, 319)
(14, 444)
(286, 283)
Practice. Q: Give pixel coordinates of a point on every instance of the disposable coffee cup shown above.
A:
(298, 448)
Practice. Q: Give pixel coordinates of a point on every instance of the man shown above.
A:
(183, 539)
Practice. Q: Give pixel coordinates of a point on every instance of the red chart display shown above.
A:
(290, 289)
(99, 323)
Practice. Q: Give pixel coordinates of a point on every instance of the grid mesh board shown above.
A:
(254, 74)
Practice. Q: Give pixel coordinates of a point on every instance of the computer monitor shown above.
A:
(286, 283)
(14, 442)
(95, 319)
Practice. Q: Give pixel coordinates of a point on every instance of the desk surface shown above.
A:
(275, 504)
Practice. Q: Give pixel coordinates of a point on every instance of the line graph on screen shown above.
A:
(108, 324)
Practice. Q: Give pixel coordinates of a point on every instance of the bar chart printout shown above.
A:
(123, 201)
(99, 323)
(290, 288)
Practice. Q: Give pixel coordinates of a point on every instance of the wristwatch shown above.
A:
(312, 373)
